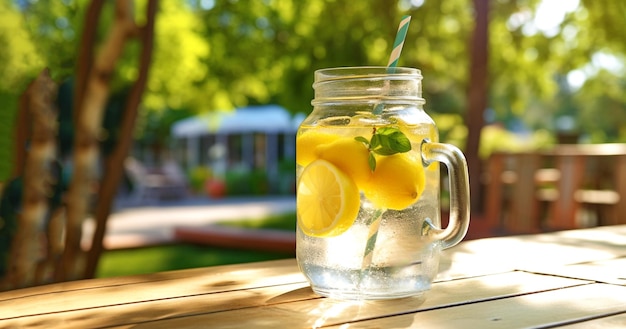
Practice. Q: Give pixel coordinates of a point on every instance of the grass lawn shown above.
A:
(286, 222)
(181, 256)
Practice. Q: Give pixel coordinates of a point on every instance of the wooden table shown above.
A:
(569, 279)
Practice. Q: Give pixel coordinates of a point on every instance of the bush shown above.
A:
(197, 178)
(286, 177)
(246, 182)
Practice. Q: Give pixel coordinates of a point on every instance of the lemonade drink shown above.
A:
(400, 191)
(368, 206)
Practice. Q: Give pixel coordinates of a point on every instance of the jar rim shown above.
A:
(365, 71)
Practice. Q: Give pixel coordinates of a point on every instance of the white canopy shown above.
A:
(266, 119)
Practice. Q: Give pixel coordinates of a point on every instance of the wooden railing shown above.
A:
(567, 187)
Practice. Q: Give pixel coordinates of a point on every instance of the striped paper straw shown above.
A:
(398, 43)
(374, 224)
(395, 54)
(372, 235)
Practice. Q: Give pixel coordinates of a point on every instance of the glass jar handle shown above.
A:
(455, 161)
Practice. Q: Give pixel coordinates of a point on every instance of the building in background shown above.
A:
(246, 139)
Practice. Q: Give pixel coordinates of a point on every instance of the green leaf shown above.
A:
(388, 141)
(362, 140)
(372, 161)
(375, 141)
(385, 141)
(399, 142)
(384, 151)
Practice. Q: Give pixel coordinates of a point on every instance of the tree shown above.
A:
(223, 54)
(66, 259)
(19, 64)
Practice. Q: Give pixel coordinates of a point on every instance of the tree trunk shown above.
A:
(28, 246)
(477, 100)
(85, 54)
(89, 114)
(115, 161)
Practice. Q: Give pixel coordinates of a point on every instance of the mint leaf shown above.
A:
(384, 151)
(375, 141)
(399, 142)
(389, 141)
(385, 141)
(362, 140)
(371, 160)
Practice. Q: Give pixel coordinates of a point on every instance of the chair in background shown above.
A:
(567, 187)
(591, 186)
(510, 202)
(152, 185)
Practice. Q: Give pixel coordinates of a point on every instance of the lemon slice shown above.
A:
(327, 201)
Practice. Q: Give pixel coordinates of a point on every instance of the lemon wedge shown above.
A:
(327, 200)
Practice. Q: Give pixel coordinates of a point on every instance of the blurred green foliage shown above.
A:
(198, 177)
(284, 222)
(8, 104)
(243, 181)
(223, 54)
(175, 257)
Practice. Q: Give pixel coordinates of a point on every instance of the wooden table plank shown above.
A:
(556, 307)
(92, 294)
(611, 271)
(559, 278)
(498, 255)
(617, 321)
(269, 268)
(309, 312)
(147, 310)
